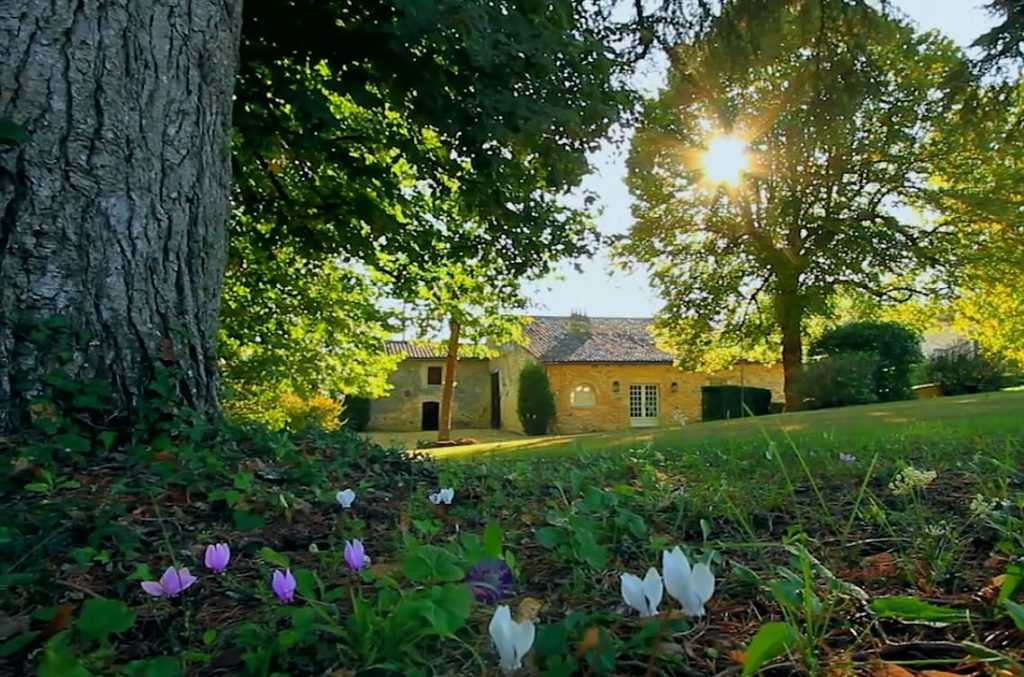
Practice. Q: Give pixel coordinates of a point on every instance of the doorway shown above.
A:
(431, 417)
(643, 405)
(496, 400)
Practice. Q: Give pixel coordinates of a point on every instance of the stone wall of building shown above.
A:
(610, 410)
(508, 365)
(402, 409)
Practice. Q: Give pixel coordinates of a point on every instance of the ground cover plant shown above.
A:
(325, 554)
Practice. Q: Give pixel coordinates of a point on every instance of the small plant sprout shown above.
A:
(513, 640)
(283, 585)
(692, 588)
(355, 555)
(217, 557)
(847, 458)
(345, 498)
(643, 595)
(173, 582)
(443, 496)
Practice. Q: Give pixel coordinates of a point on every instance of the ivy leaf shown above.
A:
(431, 563)
(493, 540)
(11, 133)
(163, 666)
(551, 537)
(770, 641)
(446, 608)
(102, 617)
(274, 557)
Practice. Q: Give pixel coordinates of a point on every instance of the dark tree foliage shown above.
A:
(536, 400)
(895, 347)
(840, 380)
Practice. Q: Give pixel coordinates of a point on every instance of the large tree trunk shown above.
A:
(112, 213)
(444, 428)
(790, 318)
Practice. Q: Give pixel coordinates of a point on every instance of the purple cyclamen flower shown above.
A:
(170, 584)
(847, 458)
(490, 580)
(355, 555)
(218, 556)
(283, 585)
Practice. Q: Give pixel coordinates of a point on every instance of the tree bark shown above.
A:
(444, 428)
(112, 214)
(790, 320)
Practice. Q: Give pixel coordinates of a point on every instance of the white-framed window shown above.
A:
(583, 395)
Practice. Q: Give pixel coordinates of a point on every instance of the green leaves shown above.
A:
(1016, 612)
(915, 610)
(445, 607)
(770, 641)
(493, 540)
(102, 617)
(431, 563)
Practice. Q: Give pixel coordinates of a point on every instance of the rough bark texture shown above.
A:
(444, 428)
(113, 213)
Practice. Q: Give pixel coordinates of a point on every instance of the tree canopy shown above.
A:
(837, 104)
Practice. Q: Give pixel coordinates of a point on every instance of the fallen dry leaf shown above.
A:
(738, 656)
(529, 609)
(883, 669)
(879, 565)
(591, 638)
(938, 673)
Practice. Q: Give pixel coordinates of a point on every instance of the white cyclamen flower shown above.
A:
(345, 498)
(692, 588)
(443, 496)
(643, 595)
(513, 640)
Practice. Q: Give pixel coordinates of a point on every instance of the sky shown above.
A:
(600, 291)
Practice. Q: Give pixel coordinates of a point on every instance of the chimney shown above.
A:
(579, 323)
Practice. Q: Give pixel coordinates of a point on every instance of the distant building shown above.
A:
(606, 373)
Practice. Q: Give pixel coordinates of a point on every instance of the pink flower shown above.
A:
(283, 585)
(170, 584)
(355, 555)
(218, 556)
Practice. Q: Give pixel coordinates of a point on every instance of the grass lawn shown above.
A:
(907, 558)
(984, 412)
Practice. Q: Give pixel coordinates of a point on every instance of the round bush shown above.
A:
(840, 381)
(896, 349)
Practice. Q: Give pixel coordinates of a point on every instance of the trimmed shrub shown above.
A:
(896, 349)
(536, 400)
(310, 413)
(719, 402)
(962, 374)
(839, 381)
(356, 413)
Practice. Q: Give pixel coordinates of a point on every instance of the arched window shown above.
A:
(583, 395)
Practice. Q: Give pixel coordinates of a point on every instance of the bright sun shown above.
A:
(726, 159)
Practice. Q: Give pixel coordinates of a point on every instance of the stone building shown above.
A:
(606, 374)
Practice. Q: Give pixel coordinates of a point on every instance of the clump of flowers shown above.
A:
(442, 496)
(643, 595)
(911, 479)
(283, 584)
(847, 458)
(345, 498)
(692, 587)
(217, 557)
(171, 584)
(490, 580)
(512, 639)
(983, 507)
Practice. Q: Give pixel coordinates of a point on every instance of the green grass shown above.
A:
(984, 413)
(794, 535)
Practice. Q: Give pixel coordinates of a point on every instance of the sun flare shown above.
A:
(726, 159)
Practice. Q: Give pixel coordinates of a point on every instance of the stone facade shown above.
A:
(606, 374)
(402, 409)
(610, 408)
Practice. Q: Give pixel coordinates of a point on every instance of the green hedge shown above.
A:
(719, 402)
(536, 400)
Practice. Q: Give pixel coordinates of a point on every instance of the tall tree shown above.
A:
(401, 138)
(834, 102)
(113, 209)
